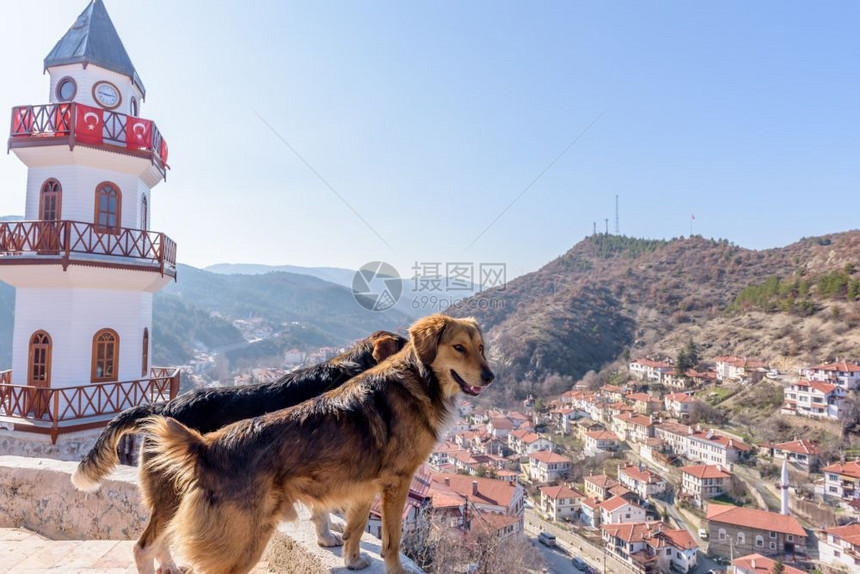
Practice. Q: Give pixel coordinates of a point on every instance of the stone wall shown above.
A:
(72, 446)
(37, 494)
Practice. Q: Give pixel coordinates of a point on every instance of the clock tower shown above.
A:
(84, 262)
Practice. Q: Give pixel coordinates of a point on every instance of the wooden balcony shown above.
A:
(68, 242)
(70, 409)
(78, 124)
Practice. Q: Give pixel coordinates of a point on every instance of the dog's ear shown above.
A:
(384, 347)
(426, 334)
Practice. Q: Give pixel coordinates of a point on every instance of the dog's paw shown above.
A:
(329, 539)
(361, 562)
(337, 526)
(172, 569)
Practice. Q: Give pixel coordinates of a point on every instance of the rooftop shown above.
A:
(761, 565)
(755, 519)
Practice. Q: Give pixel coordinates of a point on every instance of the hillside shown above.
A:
(611, 296)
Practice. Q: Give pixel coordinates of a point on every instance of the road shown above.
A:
(573, 543)
(753, 481)
(557, 559)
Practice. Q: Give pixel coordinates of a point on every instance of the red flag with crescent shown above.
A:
(138, 133)
(22, 120)
(89, 123)
(163, 151)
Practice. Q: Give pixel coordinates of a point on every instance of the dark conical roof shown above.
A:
(92, 39)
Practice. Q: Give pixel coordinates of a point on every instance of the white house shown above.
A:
(844, 374)
(651, 546)
(547, 466)
(560, 501)
(648, 370)
(840, 546)
(617, 510)
(600, 441)
(815, 399)
(734, 368)
(641, 480)
(679, 405)
(703, 482)
(842, 480)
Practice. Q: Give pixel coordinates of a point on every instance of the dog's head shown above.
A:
(454, 350)
(386, 344)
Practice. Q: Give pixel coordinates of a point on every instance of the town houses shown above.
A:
(641, 480)
(814, 399)
(735, 530)
(843, 374)
(840, 546)
(842, 480)
(703, 481)
(803, 453)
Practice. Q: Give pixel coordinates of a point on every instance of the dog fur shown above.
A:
(208, 410)
(337, 450)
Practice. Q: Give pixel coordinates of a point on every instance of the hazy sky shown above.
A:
(430, 118)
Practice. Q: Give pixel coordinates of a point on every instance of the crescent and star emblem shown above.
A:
(95, 122)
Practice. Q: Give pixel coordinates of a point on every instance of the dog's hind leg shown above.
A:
(356, 521)
(325, 537)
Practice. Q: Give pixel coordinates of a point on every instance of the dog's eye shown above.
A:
(460, 348)
(481, 349)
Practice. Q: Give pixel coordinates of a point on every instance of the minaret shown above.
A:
(84, 262)
(783, 487)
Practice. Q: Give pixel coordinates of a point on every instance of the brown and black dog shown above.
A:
(337, 450)
(207, 410)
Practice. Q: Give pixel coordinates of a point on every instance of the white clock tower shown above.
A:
(85, 263)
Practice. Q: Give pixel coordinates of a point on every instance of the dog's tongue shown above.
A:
(473, 390)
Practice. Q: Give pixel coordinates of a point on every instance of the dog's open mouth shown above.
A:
(467, 388)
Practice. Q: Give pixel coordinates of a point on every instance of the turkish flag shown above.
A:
(138, 133)
(89, 123)
(163, 151)
(22, 120)
(62, 119)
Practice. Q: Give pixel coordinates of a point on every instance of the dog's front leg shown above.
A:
(393, 501)
(356, 521)
(325, 537)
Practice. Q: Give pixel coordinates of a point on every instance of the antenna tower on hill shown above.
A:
(617, 221)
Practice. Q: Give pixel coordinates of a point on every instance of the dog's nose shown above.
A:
(487, 376)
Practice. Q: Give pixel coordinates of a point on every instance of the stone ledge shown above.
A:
(38, 495)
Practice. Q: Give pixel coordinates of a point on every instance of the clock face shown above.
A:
(107, 95)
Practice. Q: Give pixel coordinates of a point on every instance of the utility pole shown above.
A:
(595, 227)
(607, 225)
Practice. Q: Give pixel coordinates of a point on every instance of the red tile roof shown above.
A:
(851, 469)
(601, 481)
(502, 423)
(656, 534)
(849, 533)
(614, 503)
(718, 439)
(490, 490)
(680, 398)
(755, 519)
(602, 435)
(801, 446)
(759, 564)
(706, 471)
(843, 366)
(645, 475)
(548, 456)
(821, 387)
(560, 491)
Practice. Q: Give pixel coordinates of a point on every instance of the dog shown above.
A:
(337, 450)
(208, 410)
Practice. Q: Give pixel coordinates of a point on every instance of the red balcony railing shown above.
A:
(73, 123)
(56, 411)
(62, 240)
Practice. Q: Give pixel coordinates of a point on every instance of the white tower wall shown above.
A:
(71, 317)
(86, 78)
(79, 185)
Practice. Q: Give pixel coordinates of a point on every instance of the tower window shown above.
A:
(105, 356)
(66, 89)
(144, 213)
(39, 374)
(145, 362)
(108, 206)
(133, 108)
(50, 200)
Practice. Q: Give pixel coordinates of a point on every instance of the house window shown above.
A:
(741, 538)
(144, 367)
(144, 213)
(790, 537)
(39, 371)
(773, 535)
(133, 107)
(722, 533)
(105, 356)
(759, 542)
(773, 545)
(50, 200)
(108, 207)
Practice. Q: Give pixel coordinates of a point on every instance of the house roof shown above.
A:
(654, 533)
(644, 475)
(602, 435)
(642, 398)
(820, 386)
(615, 503)
(619, 490)
(560, 491)
(851, 469)
(635, 419)
(706, 471)
(849, 533)
(759, 564)
(680, 398)
(801, 446)
(755, 519)
(841, 366)
(718, 439)
(502, 423)
(675, 428)
(652, 364)
(93, 39)
(741, 362)
(601, 481)
(548, 456)
(490, 490)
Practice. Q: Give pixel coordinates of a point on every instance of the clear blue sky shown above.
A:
(429, 118)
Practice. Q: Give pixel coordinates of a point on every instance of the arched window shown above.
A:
(759, 541)
(39, 363)
(145, 362)
(105, 356)
(133, 108)
(108, 207)
(741, 538)
(722, 533)
(144, 213)
(50, 200)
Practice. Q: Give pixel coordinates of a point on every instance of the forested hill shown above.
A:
(613, 296)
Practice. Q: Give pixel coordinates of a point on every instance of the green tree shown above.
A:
(778, 567)
(688, 357)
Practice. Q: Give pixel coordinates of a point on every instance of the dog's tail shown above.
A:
(102, 458)
(173, 448)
